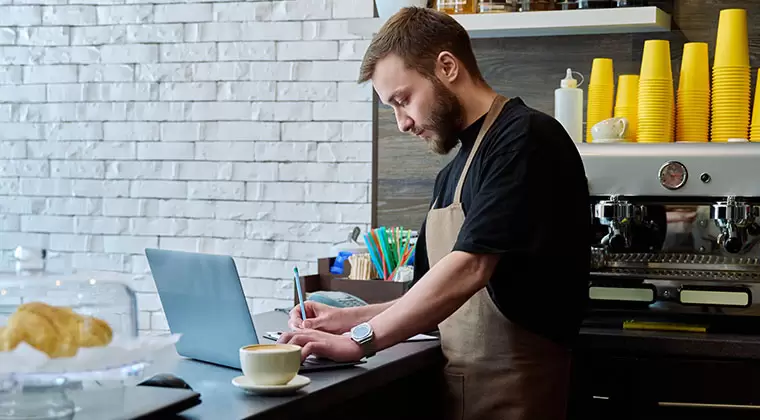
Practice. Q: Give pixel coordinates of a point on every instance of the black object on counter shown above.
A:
(166, 380)
(537, 5)
(595, 4)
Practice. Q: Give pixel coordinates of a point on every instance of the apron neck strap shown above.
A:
(493, 112)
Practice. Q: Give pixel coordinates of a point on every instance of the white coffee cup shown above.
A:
(270, 364)
(610, 129)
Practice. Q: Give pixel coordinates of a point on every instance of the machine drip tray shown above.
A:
(713, 324)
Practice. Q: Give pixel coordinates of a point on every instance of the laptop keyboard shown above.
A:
(311, 362)
(314, 360)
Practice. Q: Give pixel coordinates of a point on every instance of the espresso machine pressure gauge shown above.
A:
(673, 175)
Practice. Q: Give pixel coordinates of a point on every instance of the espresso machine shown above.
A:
(676, 232)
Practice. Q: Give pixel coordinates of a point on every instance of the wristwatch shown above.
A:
(363, 335)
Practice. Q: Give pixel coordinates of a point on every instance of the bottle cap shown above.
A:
(569, 81)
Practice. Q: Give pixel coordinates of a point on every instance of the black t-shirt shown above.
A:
(526, 198)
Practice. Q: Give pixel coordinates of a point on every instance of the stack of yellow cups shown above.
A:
(731, 77)
(656, 101)
(754, 133)
(627, 103)
(693, 97)
(600, 94)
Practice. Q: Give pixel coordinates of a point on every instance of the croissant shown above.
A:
(94, 332)
(56, 331)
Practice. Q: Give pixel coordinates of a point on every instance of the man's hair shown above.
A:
(418, 35)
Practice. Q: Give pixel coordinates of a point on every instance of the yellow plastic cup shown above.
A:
(655, 117)
(602, 72)
(732, 77)
(655, 122)
(732, 42)
(723, 107)
(692, 120)
(654, 99)
(655, 61)
(694, 93)
(693, 132)
(652, 107)
(728, 105)
(627, 90)
(730, 70)
(657, 127)
(756, 105)
(651, 103)
(649, 106)
(731, 90)
(655, 83)
(692, 116)
(600, 91)
(693, 101)
(655, 93)
(754, 135)
(697, 119)
(731, 117)
(695, 67)
(646, 91)
(735, 96)
(655, 109)
(737, 78)
(730, 126)
(733, 132)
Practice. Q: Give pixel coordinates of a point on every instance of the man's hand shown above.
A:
(339, 348)
(321, 317)
(680, 215)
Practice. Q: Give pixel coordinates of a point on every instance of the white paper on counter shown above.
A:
(422, 337)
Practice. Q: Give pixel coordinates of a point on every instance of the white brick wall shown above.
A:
(230, 127)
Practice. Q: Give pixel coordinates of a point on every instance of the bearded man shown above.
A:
(502, 259)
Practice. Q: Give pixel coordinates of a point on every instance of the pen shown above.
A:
(300, 293)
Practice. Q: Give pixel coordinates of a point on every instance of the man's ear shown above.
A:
(447, 67)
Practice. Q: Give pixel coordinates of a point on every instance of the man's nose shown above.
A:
(404, 122)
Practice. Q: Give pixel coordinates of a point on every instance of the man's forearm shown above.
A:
(438, 294)
(367, 312)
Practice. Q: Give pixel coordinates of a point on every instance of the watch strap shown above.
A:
(368, 347)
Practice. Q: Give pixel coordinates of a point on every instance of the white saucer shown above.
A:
(615, 140)
(294, 385)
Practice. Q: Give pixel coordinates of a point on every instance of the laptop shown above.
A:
(203, 300)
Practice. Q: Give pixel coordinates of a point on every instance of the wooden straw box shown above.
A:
(371, 291)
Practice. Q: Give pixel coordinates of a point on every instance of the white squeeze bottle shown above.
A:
(568, 106)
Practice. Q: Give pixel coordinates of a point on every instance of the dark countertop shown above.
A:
(222, 400)
(666, 343)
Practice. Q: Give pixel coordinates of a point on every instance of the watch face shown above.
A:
(360, 331)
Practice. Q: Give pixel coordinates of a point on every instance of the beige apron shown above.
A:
(495, 369)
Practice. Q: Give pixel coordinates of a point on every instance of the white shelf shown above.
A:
(555, 22)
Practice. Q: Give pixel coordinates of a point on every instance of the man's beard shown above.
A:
(445, 120)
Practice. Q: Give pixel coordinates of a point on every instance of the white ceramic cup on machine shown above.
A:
(611, 130)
